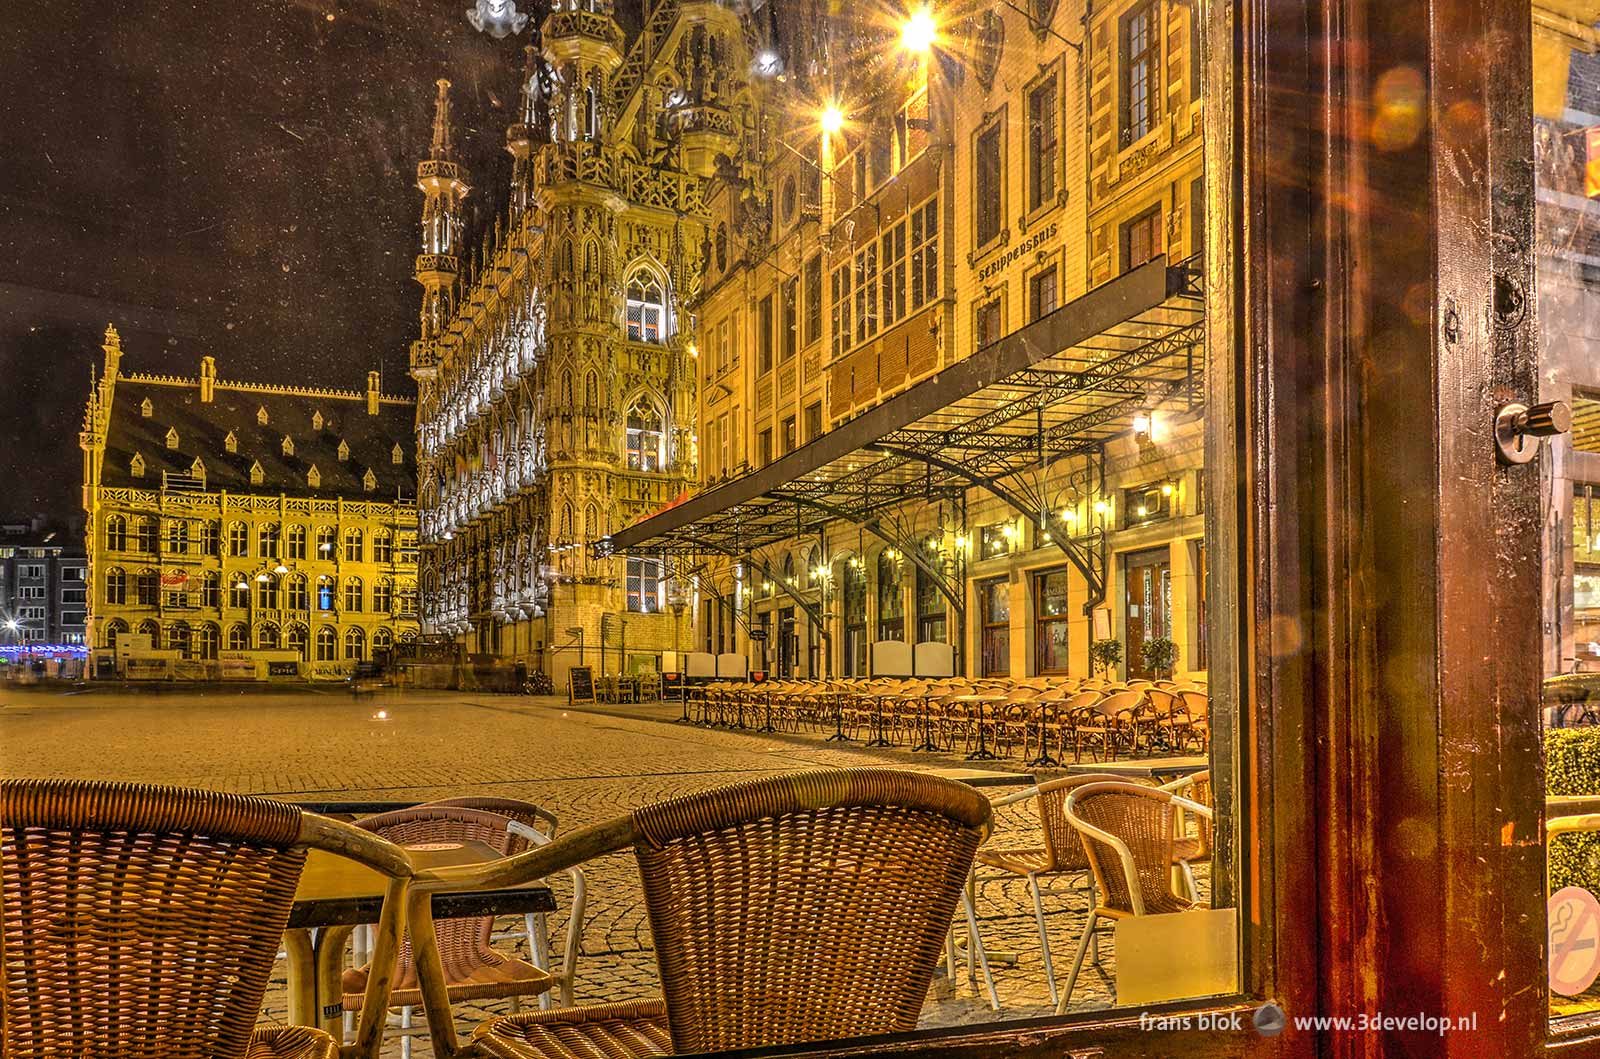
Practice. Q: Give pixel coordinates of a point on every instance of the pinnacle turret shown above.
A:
(441, 182)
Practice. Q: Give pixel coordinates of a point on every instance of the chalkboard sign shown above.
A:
(758, 634)
(580, 684)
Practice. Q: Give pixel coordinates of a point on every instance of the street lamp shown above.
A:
(832, 119)
(919, 32)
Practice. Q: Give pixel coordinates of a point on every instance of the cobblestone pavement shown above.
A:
(585, 766)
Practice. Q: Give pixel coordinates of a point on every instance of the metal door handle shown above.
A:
(1517, 428)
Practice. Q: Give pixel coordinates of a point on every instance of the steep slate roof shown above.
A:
(203, 429)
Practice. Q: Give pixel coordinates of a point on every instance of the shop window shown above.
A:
(891, 605)
(207, 642)
(296, 640)
(854, 591)
(1138, 58)
(994, 615)
(932, 623)
(327, 644)
(267, 637)
(1052, 621)
(238, 637)
(1586, 422)
(355, 645)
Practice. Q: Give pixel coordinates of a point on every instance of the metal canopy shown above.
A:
(1059, 387)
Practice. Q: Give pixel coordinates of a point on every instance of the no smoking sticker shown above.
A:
(1574, 940)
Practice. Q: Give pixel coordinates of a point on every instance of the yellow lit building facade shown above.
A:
(954, 198)
(230, 523)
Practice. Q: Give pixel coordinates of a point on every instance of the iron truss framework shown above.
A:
(997, 421)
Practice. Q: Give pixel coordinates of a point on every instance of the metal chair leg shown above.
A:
(1077, 963)
(405, 1039)
(975, 945)
(1044, 938)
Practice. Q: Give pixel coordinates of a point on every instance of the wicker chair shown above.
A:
(89, 968)
(474, 969)
(804, 907)
(1059, 853)
(538, 826)
(1187, 848)
(1127, 833)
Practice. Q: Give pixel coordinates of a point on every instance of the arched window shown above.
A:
(149, 535)
(383, 547)
(382, 596)
(268, 537)
(146, 586)
(855, 617)
(382, 640)
(297, 542)
(238, 637)
(324, 593)
(326, 540)
(327, 644)
(644, 586)
(116, 586)
(352, 594)
(178, 638)
(211, 538)
(298, 600)
(788, 570)
(267, 637)
(115, 628)
(116, 534)
(206, 641)
(238, 539)
(266, 591)
(355, 645)
(239, 593)
(150, 628)
(296, 640)
(211, 590)
(645, 436)
(647, 307)
(354, 549)
(178, 536)
(891, 607)
(931, 614)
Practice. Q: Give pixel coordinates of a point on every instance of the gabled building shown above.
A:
(232, 518)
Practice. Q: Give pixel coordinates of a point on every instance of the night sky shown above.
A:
(224, 178)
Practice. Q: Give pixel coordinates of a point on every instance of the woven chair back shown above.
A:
(1115, 703)
(460, 940)
(804, 907)
(1143, 820)
(525, 813)
(1061, 841)
(1197, 703)
(1199, 790)
(138, 921)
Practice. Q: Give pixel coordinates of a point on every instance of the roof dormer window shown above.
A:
(261, 415)
(198, 468)
(288, 445)
(369, 481)
(257, 475)
(316, 420)
(344, 450)
(146, 409)
(397, 455)
(136, 466)
(172, 437)
(231, 442)
(314, 477)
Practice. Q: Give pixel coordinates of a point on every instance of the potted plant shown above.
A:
(1105, 655)
(1158, 655)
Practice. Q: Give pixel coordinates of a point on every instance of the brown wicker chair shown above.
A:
(1059, 854)
(1127, 832)
(89, 968)
(1187, 848)
(857, 871)
(474, 970)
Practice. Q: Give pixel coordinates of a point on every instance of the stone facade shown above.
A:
(230, 518)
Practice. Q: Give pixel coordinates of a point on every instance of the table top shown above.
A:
(983, 777)
(335, 890)
(1148, 767)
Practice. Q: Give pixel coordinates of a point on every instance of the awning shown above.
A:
(1059, 387)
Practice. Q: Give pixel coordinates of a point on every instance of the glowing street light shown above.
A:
(832, 119)
(919, 32)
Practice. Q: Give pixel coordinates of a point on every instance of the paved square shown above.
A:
(586, 766)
